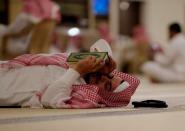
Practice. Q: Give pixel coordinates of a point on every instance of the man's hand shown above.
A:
(108, 67)
(89, 64)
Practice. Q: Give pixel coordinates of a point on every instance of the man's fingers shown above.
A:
(91, 59)
(98, 64)
(112, 63)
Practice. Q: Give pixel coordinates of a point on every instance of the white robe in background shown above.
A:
(170, 65)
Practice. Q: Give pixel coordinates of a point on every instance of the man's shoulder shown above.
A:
(178, 40)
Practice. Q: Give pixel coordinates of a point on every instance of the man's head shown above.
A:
(106, 82)
(102, 77)
(174, 29)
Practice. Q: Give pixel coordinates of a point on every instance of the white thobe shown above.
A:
(170, 65)
(18, 86)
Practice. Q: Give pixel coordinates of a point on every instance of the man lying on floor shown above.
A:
(49, 81)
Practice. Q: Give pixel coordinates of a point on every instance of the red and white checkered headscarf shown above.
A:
(92, 96)
(83, 95)
(41, 9)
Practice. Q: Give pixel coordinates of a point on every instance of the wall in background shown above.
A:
(158, 14)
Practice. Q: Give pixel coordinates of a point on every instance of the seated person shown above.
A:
(17, 36)
(169, 66)
(49, 81)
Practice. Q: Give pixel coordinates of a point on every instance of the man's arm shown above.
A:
(22, 32)
(22, 25)
(168, 56)
(61, 88)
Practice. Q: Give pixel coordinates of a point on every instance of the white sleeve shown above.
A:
(19, 24)
(168, 56)
(60, 89)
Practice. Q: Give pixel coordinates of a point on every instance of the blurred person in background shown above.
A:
(169, 65)
(18, 36)
(138, 51)
(104, 32)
